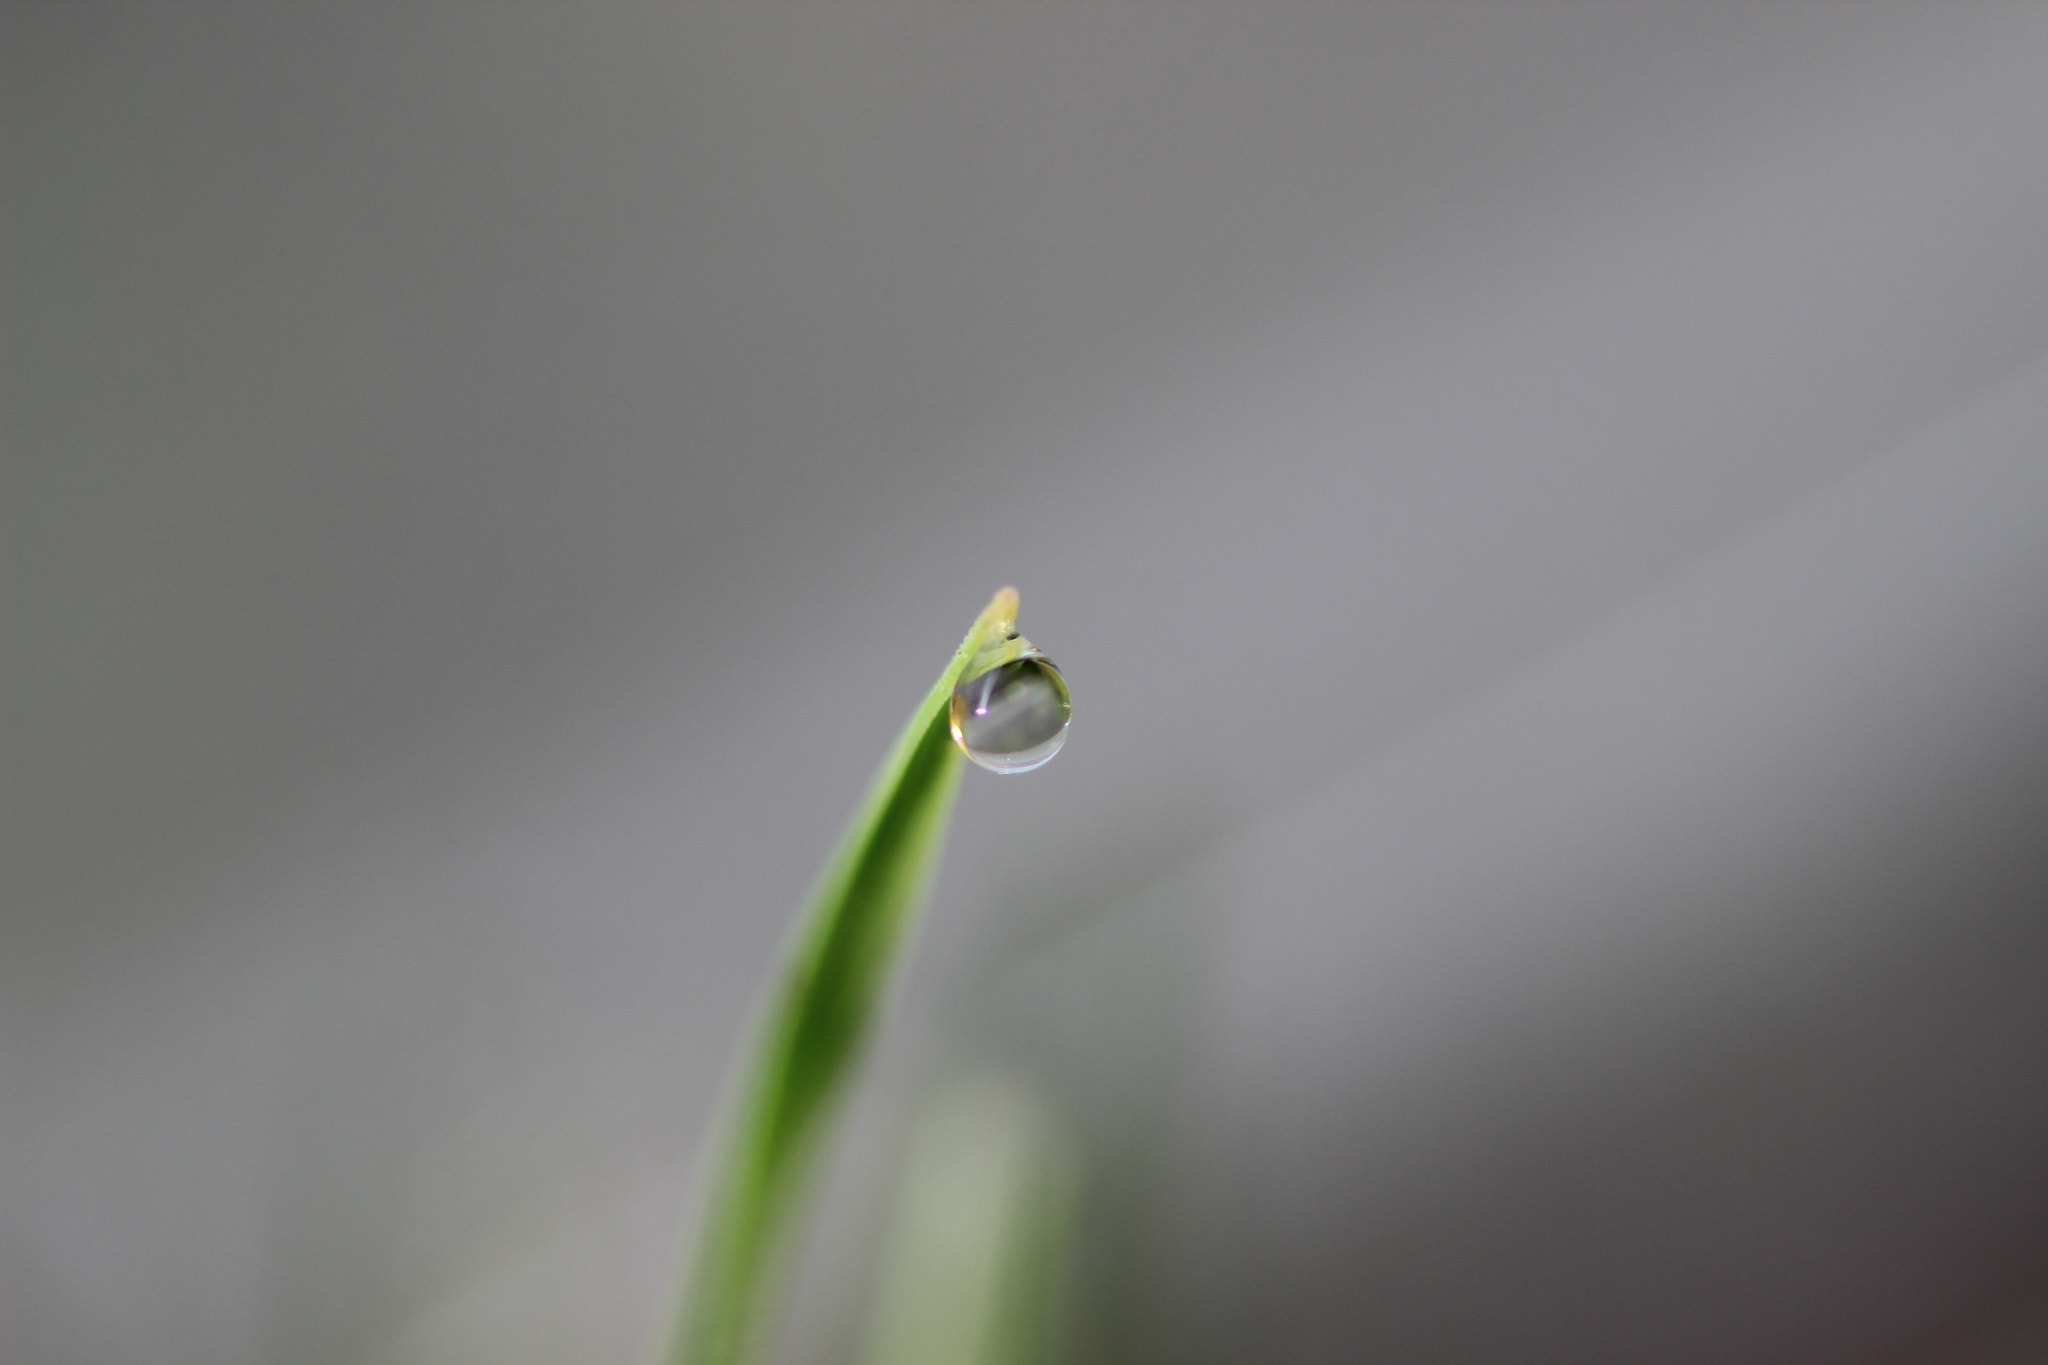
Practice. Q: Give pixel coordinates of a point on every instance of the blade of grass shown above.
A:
(838, 963)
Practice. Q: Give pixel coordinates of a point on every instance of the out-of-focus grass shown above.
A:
(836, 969)
(973, 1274)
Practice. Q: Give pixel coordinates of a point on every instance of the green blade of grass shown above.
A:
(837, 966)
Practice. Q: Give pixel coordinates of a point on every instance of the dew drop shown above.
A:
(1013, 717)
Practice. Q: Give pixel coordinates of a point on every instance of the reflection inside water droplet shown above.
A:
(1013, 717)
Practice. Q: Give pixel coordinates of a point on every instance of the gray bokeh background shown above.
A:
(1544, 509)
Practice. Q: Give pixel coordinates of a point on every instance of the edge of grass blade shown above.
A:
(824, 1004)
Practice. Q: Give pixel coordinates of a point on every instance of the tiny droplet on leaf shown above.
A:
(1013, 717)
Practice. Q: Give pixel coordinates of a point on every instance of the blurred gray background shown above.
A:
(1544, 509)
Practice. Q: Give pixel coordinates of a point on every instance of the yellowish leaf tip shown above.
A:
(999, 618)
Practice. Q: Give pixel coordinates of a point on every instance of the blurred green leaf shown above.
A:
(973, 1271)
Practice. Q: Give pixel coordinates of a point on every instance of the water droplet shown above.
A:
(1013, 717)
